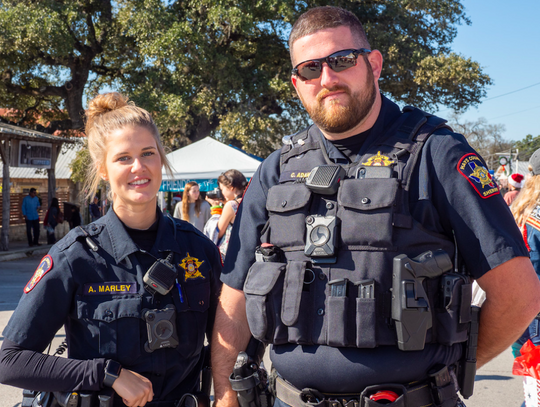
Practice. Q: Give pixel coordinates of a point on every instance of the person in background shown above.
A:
(216, 200)
(76, 219)
(232, 184)
(95, 210)
(52, 220)
(30, 207)
(526, 211)
(125, 335)
(193, 208)
(515, 183)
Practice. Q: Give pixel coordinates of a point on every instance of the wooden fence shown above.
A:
(15, 207)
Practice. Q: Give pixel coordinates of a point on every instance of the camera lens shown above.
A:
(163, 329)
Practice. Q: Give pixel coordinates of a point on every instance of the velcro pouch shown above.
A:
(292, 292)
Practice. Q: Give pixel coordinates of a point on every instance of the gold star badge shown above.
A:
(378, 160)
(191, 266)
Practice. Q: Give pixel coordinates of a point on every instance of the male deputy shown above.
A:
(30, 207)
(321, 288)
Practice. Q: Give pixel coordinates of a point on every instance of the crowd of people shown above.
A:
(352, 253)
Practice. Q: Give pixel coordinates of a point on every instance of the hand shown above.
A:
(135, 390)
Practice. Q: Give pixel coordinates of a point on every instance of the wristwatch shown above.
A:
(112, 371)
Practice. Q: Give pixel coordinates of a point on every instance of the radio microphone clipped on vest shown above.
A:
(161, 276)
(324, 179)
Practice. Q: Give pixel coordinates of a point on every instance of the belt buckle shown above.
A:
(370, 390)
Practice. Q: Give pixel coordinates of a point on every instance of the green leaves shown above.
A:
(213, 67)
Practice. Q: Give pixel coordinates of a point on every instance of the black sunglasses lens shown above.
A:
(338, 62)
(310, 70)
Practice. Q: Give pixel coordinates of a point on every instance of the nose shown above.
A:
(137, 165)
(329, 77)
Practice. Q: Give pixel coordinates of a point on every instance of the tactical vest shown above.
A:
(294, 301)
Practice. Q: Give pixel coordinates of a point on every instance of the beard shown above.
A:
(335, 117)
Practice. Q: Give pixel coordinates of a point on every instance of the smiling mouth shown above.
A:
(140, 182)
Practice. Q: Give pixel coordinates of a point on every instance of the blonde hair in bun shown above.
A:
(109, 112)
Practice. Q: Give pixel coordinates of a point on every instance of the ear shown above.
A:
(102, 173)
(375, 59)
(293, 80)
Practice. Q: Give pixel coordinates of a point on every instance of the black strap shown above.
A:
(416, 129)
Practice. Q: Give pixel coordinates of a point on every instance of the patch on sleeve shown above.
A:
(472, 168)
(44, 267)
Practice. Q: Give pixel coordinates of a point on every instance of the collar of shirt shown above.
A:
(122, 245)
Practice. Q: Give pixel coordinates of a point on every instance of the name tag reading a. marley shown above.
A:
(117, 287)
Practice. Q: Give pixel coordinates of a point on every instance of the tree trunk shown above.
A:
(5, 154)
(51, 173)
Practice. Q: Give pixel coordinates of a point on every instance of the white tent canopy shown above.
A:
(208, 159)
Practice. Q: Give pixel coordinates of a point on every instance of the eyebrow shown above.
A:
(127, 152)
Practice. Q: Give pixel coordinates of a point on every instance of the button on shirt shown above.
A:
(30, 207)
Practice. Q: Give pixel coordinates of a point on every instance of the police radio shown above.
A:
(161, 276)
(324, 179)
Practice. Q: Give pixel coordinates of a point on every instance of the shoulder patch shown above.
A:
(472, 168)
(44, 267)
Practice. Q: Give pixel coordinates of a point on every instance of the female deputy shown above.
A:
(100, 282)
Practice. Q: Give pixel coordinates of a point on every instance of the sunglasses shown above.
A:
(338, 61)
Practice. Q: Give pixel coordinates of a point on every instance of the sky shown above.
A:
(504, 38)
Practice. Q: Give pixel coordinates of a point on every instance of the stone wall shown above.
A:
(17, 233)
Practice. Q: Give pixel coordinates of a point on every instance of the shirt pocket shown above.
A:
(192, 317)
(288, 206)
(366, 209)
(114, 326)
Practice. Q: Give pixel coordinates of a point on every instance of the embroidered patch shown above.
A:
(44, 267)
(191, 266)
(534, 218)
(378, 160)
(535, 223)
(293, 175)
(471, 167)
(117, 287)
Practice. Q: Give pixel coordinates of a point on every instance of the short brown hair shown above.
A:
(319, 18)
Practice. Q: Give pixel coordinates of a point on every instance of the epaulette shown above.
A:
(79, 232)
(296, 145)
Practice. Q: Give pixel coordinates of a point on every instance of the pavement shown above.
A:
(495, 385)
(21, 250)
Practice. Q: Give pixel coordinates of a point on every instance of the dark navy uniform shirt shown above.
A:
(445, 197)
(100, 298)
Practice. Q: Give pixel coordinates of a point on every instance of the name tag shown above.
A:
(117, 287)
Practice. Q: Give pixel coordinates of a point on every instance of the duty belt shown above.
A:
(425, 394)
